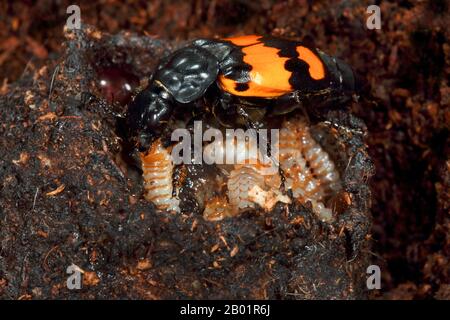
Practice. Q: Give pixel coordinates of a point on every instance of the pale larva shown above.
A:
(251, 183)
(308, 169)
(157, 167)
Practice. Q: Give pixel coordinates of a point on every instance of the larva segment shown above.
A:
(308, 169)
(253, 182)
(157, 167)
(257, 184)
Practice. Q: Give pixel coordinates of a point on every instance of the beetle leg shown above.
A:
(294, 101)
(222, 110)
(249, 123)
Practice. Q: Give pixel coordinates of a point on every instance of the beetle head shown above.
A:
(147, 116)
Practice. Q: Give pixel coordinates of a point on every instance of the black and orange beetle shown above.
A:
(251, 76)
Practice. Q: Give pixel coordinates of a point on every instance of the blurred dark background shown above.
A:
(405, 66)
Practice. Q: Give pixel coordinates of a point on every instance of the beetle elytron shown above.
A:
(250, 77)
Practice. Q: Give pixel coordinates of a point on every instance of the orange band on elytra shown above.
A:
(316, 67)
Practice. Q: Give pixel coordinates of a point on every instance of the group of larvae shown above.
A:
(309, 174)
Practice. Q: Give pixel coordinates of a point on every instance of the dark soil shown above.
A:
(67, 195)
